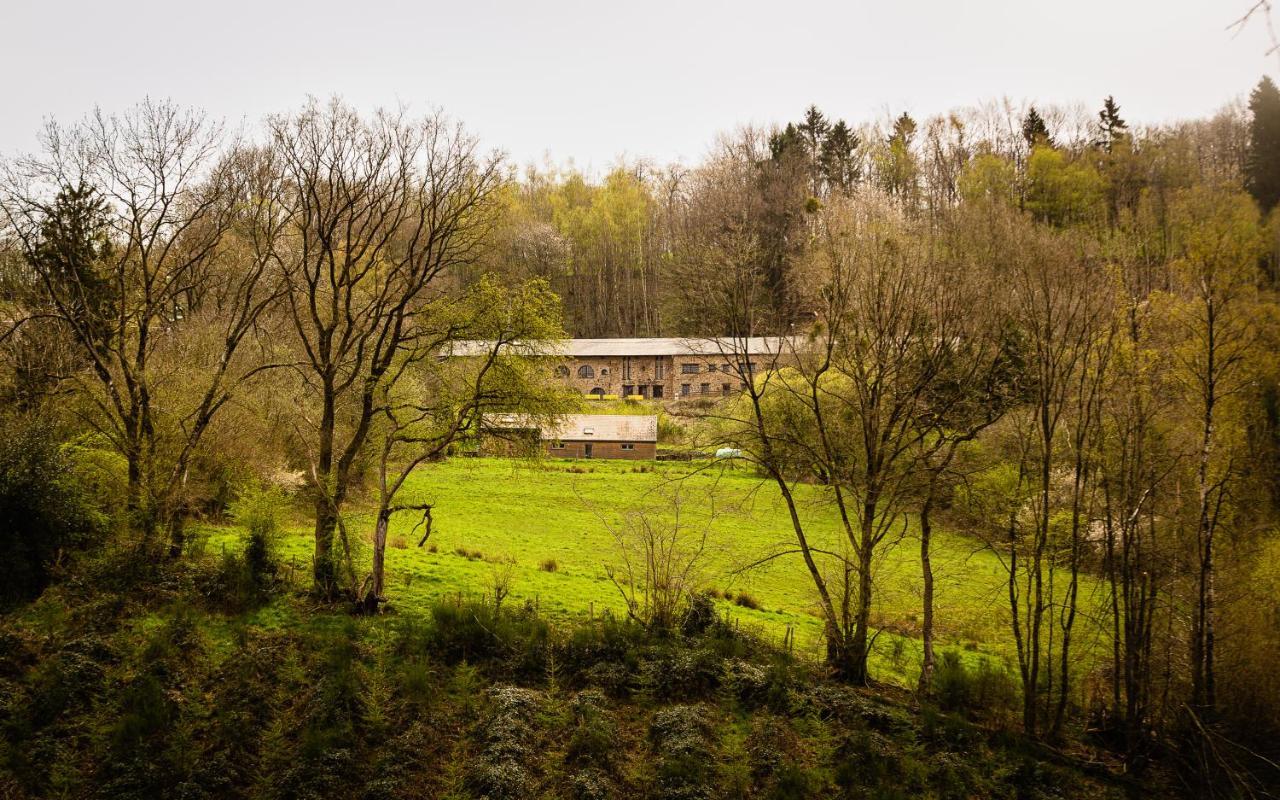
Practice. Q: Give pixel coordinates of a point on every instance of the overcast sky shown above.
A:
(594, 81)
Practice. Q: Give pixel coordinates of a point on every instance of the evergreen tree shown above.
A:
(904, 130)
(787, 141)
(1035, 131)
(69, 253)
(1111, 127)
(837, 161)
(1262, 167)
(814, 128)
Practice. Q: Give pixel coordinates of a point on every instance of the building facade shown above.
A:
(666, 369)
(618, 436)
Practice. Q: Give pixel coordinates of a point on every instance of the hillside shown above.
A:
(188, 690)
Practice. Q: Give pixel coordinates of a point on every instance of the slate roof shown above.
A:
(587, 348)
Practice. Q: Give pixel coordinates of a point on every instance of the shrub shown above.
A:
(594, 737)
(686, 760)
(699, 615)
(259, 511)
(43, 509)
(747, 601)
(499, 772)
(986, 688)
(548, 565)
(509, 643)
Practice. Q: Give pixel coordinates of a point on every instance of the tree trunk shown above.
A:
(377, 579)
(859, 646)
(325, 569)
(926, 573)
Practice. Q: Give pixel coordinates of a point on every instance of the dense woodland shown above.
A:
(1049, 329)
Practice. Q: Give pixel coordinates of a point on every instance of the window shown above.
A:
(684, 388)
(657, 368)
(604, 370)
(585, 371)
(689, 369)
(657, 391)
(724, 388)
(626, 369)
(628, 390)
(628, 446)
(705, 388)
(556, 444)
(711, 368)
(746, 367)
(562, 371)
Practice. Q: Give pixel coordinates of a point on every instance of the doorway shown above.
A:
(586, 450)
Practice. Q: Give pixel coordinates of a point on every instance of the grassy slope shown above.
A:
(547, 510)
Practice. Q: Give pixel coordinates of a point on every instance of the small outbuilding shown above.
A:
(629, 436)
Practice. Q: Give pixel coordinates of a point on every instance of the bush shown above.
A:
(747, 601)
(686, 759)
(987, 688)
(514, 644)
(594, 737)
(43, 509)
(500, 771)
(259, 511)
(548, 565)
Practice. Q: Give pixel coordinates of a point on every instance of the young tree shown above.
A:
(1214, 330)
(428, 403)
(379, 209)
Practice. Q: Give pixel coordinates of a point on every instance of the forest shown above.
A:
(1047, 332)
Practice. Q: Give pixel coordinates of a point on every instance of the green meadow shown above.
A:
(493, 515)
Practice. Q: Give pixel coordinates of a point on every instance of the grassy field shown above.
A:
(490, 510)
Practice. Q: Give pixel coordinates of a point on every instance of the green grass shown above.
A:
(535, 511)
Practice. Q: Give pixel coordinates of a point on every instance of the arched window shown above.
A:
(598, 392)
(585, 371)
(562, 371)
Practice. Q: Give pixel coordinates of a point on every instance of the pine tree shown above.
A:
(904, 130)
(1111, 127)
(1035, 131)
(837, 161)
(69, 253)
(814, 127)
(1262, 166)
(785, 142)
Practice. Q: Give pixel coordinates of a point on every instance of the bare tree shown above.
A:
(1060, 312)
(379, 208)
(661, 554)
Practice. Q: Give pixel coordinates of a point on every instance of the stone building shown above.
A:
(626, 436)
(665, 369)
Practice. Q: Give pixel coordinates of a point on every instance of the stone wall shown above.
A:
(639, 450)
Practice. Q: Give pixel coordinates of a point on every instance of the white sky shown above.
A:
(593, 81)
